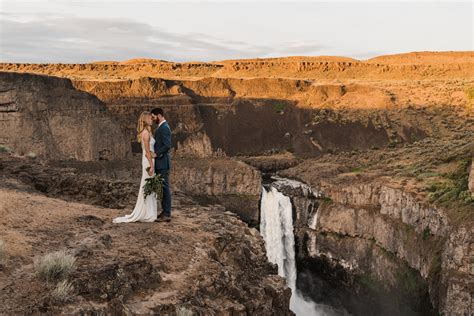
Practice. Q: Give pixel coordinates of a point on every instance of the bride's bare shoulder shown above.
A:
(145, 134)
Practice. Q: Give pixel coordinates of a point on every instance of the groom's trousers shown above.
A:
(166, 201)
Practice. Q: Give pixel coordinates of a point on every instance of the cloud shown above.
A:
(303, 49)
(71, 39)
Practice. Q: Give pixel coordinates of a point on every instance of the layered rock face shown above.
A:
(47, 117)
(394, 239)
(272, 115)
(429, 65)
(231, 183)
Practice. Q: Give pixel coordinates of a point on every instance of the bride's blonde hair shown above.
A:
(141, 126)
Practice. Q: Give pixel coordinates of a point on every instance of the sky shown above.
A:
(69, 31)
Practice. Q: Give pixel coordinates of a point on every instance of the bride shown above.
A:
(145, 209)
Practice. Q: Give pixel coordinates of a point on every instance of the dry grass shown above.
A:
(63, 292)
(3, 251)
(5, 149)
(55, 266)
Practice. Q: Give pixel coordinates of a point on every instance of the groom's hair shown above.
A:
(157, 111)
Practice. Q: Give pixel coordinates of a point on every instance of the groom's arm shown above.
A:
(157, 140)
(165, 143)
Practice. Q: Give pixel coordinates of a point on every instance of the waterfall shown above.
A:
(276, 228)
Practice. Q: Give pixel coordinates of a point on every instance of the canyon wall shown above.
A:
(386, 238)
(427, 65)
(231, 183)
(222, 116)
(47, 117)
(272, 115)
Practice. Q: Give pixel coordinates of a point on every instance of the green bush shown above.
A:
(279, 106)
(453, 188)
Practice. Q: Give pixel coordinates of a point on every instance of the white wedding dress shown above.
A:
(145, 209)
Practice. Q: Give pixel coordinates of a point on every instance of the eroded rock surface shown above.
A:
(205, 261)
(46, 116)
(383, 219)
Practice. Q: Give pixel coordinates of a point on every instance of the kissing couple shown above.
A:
(155, 160)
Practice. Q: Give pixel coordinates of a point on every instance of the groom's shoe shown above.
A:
(163, 218)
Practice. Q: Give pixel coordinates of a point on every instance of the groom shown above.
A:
(162, 160)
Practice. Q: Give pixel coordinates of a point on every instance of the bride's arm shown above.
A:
(146, 141)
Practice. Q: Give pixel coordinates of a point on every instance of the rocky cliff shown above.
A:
(392, 229)
(428, 65)
(46, 116)
(228, 182)
(231, 183)
(205, 262)
(301, 116)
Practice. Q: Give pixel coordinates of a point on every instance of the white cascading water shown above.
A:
(276, 228)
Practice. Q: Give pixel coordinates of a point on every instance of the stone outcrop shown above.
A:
(376, 230)
(229, 182)
(197, 145)
(205, 262)
(47, 117)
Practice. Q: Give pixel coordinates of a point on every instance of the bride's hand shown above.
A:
(150, 172)
(153, 155)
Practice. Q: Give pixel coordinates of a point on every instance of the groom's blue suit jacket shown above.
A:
(162, 147)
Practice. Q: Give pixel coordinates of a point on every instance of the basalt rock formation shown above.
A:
(401, 227)
(46, 116)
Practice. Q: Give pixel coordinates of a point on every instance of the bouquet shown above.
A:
(154, 185)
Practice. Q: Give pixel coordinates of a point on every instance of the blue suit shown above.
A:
(163, 163)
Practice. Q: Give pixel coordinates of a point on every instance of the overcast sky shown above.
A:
(84, 31)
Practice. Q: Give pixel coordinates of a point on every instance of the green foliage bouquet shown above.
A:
(154, 185)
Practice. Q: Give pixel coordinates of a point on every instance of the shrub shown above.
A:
(5, 149)
(279, 106)
(453, 188)
(63, 292)
(470, 96)
(426, 233)
(469, 93)
(55, 266)
(3, 251)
